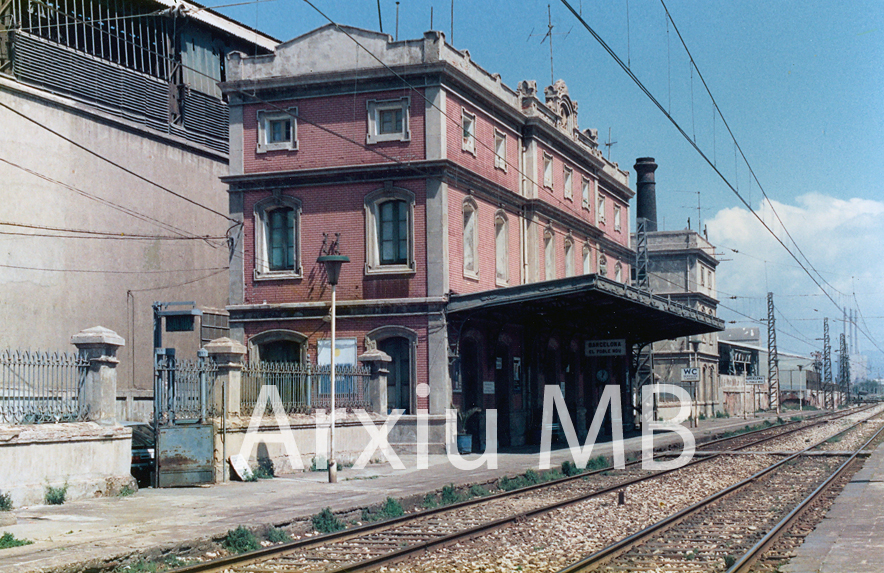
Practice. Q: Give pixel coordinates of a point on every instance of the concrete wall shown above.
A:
(91, 460)
(46, 295)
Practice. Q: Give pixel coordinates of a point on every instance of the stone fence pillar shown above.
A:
(377, 385)
(98, 398)
(227, 354)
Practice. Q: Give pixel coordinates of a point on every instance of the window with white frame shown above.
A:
(617, 218)
(388, 120)
(277, 130)
(500, 150)
(549, 249)
(587, 260)
(569, 257)
(389, 231)
(470, 239)
(600, 209)
(468, 121)
(603, 265)
(586, 191)
(702, 276)
(547, 171)
(568, 179)
(277, 238)
(501, 248)
(618, 272)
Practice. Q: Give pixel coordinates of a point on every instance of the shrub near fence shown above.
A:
(41, 387)
(304, 389)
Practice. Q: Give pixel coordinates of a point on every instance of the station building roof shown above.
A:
(595, 306)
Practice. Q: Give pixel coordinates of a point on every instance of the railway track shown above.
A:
(372, 546)
(714, 535)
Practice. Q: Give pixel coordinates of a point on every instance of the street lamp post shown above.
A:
(332, 259)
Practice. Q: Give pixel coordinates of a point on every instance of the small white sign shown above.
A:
(241, 467)
(606, 347)
(690, 374)
(488, 387)
(755, 380)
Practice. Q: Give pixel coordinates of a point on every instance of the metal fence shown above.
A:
(304, 389)
(183, 389)
(41, 387)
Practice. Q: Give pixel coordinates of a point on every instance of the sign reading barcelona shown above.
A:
(606, 347)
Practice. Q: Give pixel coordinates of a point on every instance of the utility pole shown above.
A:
(773, 359)
(828, 398)
(845, 369)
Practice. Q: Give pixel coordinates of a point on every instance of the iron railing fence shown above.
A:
(304, 389)
(183, 389)
(41, 387)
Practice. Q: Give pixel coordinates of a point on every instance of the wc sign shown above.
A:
(690, 374)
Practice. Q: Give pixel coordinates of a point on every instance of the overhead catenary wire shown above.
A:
(678, 127)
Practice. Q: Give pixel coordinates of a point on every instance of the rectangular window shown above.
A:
(282, 239)
(468, 121)
(600, 210)
(569, 259)
(277, 131)
(550, 256)
(388, 120)
(501, 246)
(393, 233)
(500, 150)
(586, 260)
(585, 189)
(569, 192)
(547, 171)
(470, 242)
(617, 218)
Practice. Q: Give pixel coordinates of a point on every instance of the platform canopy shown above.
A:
(591, 305)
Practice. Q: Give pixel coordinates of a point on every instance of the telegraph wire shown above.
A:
(96, 234)
(678, 127)
(112, 272)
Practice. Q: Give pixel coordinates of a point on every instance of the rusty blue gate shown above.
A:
(185, 446)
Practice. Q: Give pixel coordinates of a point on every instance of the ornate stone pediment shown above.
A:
(558, 100)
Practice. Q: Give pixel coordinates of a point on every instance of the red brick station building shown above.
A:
(488, 236)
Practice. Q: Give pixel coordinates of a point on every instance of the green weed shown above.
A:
(8, 540)
(55, 495)
(240, 540)
(326, 522)
(277, 535)
(5, 502)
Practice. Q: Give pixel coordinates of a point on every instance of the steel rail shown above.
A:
(744, 564)
(612, 551)
(267, 553)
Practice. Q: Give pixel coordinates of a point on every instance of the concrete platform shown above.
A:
(851, 537)
(106, 528)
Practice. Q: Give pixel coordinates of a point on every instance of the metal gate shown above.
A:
(185, 449)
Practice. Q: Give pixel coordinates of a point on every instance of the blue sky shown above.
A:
(799, 83)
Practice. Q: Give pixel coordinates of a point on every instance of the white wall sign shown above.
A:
(606, 347)
(755, 380)
(488, 387)
(345, 355)
(690, 374)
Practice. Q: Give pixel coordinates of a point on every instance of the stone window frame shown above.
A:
(265, 118)
(375, 107)
(618, 272)
(501, 225)
(548, 171)
(586, 192)
(618, 218)
(600, 209)
(468, 132)
(470, 206)
(586, 259)
(276, 335)
(569, 256)
(568, 182)
(549, 254)
(261, 211)
(500, 150)
(373, 201)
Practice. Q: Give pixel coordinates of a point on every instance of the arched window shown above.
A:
(587, 260)
(569, 257)
(389, 231)
(549, 249)
(501, 248)
(618, 272)
(470, 238)
(603, 265)
(278, 346)
(277, 233)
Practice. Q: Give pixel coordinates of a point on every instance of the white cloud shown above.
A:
(842, 240)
